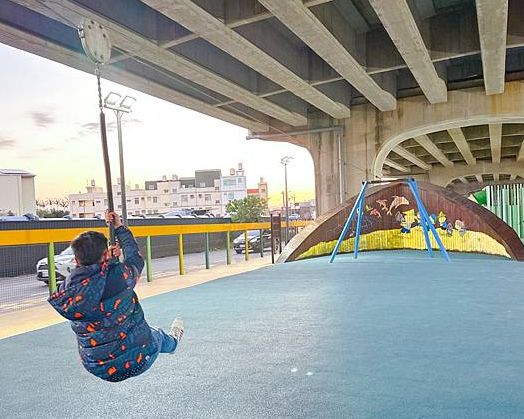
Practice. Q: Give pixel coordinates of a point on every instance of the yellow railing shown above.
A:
(43, 236)
(52, 236)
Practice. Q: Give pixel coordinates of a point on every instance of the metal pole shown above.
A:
(521, 210)
(148, 259)
(122, 174)
(207, 251)
(359, 224)
(425, 230)
(228, 247)
(287, 203)
(361, 195)
(51, 267)
(261, 243)
(246, 246)
(272, 241)
(294, 133)
(181, 254)
(425, 217)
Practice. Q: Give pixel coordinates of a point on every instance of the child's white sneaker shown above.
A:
(177, 329)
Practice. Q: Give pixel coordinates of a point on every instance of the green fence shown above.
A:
(507, 202)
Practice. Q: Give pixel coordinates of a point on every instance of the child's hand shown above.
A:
(115, 251)
(114, 217)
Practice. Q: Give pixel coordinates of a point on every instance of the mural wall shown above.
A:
(391, 221)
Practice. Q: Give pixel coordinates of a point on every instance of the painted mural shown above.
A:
(391, 220)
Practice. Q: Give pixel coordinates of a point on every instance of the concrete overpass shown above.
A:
(429, 88)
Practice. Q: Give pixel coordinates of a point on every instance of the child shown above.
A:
(114, 340)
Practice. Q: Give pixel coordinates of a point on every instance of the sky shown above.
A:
(49, 126)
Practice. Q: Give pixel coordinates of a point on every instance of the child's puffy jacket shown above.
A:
(114, 340)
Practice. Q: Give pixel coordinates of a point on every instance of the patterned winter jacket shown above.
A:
(114, 340)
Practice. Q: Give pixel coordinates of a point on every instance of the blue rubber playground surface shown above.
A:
(392, 335)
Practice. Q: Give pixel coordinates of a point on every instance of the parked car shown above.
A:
(25, 217)
(253, 237)
(180, 213)
(64, 264)
(294, 217)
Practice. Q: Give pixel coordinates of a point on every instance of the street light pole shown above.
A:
(285, 161)
(122, 171)
(124, 106)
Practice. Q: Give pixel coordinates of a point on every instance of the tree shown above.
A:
(52, 207)
(247, 210)
(52, 213)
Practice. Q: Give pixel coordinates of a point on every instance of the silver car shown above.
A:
(64, 264)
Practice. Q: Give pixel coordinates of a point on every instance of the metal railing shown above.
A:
(507, 202)
(51, 236)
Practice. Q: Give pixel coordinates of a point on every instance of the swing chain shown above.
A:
(97, 73)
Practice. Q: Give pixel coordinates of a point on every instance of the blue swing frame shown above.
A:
(425, 221)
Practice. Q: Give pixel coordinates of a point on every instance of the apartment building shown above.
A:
(17, 192)
(206, 192)
(261, 191)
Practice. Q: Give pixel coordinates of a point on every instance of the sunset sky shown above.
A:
(50, 128)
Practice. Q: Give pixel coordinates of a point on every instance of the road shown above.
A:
(21, 292)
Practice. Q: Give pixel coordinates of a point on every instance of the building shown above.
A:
(261, 191)
(307, 210)
(206, 192)
(17, 192)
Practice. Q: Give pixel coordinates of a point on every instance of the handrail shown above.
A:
(44, 236)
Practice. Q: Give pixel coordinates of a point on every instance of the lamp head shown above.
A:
(127, 102)
(112, 99)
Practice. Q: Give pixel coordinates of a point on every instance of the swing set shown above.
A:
(358, 208)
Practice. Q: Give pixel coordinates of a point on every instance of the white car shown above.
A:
(64, 264)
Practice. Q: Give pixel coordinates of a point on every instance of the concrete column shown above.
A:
(361, 138)
(324, 150)
(358, 152)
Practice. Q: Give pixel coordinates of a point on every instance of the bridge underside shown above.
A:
(425, 88)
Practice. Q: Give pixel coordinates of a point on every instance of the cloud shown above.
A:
(94, 128)
(42, 119)
(47, 149)
(5, 144)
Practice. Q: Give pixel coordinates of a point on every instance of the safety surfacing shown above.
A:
(391, 335)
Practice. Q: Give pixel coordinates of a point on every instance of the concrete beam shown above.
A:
(202, 23)
(397, 166)
(463, 179)
(457, 136)
(492, 19)
(472, 187)
(479, 178)
(240, 13)
(400, 24)
(432, 149)
(443, 176)
(402, 152)
(300, 20)
(513, 177)
(495, 139)
(35, 45)
(72, 14)
(234, 23)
